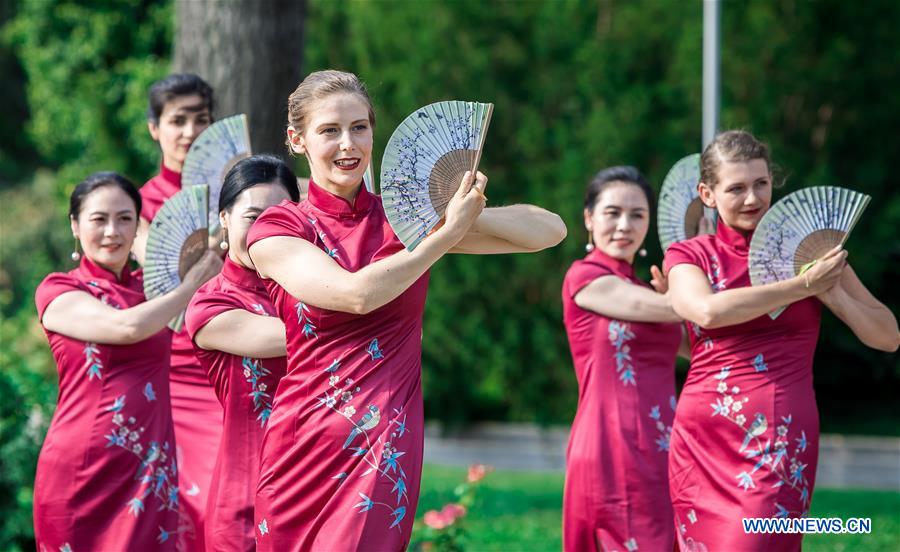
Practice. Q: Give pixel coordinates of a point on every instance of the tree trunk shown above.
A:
(251, 53)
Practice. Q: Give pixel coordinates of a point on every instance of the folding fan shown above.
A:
(178, 237)
(424, 162)
(680, 207)
(368, 180)
(213, 153)
(801, 228)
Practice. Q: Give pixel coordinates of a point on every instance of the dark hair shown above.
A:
(100, 180)
(179, 84)
(319, 85)
(732, 146)
(258, 169)
(613, 175)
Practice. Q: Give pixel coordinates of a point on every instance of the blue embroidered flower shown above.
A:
(149, 394)
(373, 350)
(398, 514)
(366, 503)
(92, 361)
(263, 527)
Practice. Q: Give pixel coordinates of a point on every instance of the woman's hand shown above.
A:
(208, 266)
(826, 272)
(659, 281)
(466, 205)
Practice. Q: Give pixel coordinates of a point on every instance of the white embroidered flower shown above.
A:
(349, 411)
(123, 431)
(737, 406)
(735, 390)
(133, 436)
(262, 386)
(137, 448)
(131, 420)
(246, 372)
(740, 419)
(722, 387)
(727, 401)
(348, 382)
(346, 396)
(118, 418)
(780, 445)
(660, 426)
(162, 457)
(333, 380)
(782, 430)
(329, 400)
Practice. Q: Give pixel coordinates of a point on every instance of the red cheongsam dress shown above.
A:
(616, 493)
(107, 474)
(745, 440)
(195, 408)
(342, 454)
(246, 387)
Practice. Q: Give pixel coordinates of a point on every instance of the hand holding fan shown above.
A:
(424, 163)
(178, 237)
(680, 208)
(213, 153)
(800, 229)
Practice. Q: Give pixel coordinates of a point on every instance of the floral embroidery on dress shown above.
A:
(92, 361)
(619, 333)
(631, 544)
(714, 274)
(308, 329)
(157, 471)
(665, 431)
(382, 456)
(149, 394)
(774, 457)
(254, 371)
(263, 527)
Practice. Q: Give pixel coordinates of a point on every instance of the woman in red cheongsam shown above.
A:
(342, 455)
(624, 337)
(180, 109)
(107, 473)
(745, 441)
(240, 341)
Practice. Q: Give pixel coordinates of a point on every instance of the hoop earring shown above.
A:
(76, 255)
(590, 244)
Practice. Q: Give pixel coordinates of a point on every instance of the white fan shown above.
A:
(368, 179)
(680, 208)
(178, 237)
(213, 153)
(799, 229)
(424, 162)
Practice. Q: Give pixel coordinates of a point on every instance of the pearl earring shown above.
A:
(590, 244)
(76, 255)
(642, 252)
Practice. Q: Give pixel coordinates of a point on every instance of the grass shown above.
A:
(523, 511)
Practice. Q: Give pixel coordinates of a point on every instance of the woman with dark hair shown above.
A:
(107, 474)
(342, 455)
(745, 440)
(624, 337)
(240, 342)
(180, 108)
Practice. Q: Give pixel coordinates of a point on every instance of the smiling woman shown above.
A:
(341, 459)
(107, 476)
(745, 440)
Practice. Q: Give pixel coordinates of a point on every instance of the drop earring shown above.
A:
(76, 254)
(223, 245)
(590, 244)
(642, 252)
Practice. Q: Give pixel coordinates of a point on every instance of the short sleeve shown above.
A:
(581, 274)
(680, 253)
(284, 219)
(52, 287)
(206, 306)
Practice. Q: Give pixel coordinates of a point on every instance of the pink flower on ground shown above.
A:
(436, 520)
(453, 511)
(478, 471)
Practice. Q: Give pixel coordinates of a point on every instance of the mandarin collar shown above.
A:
(336, 205)
(733, 238)
(170, 176)
(619, 266)
(94, 271)
(242, 276)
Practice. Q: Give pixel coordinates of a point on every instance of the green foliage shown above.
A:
(582, 85)
(88, 66)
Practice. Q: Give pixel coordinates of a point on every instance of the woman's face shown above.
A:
(742, 195)
(337, 142)
(183, 118)
(106, 226)
(619, 221)
(244, 212)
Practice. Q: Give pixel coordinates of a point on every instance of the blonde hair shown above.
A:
(732, 146)
(319, 85)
